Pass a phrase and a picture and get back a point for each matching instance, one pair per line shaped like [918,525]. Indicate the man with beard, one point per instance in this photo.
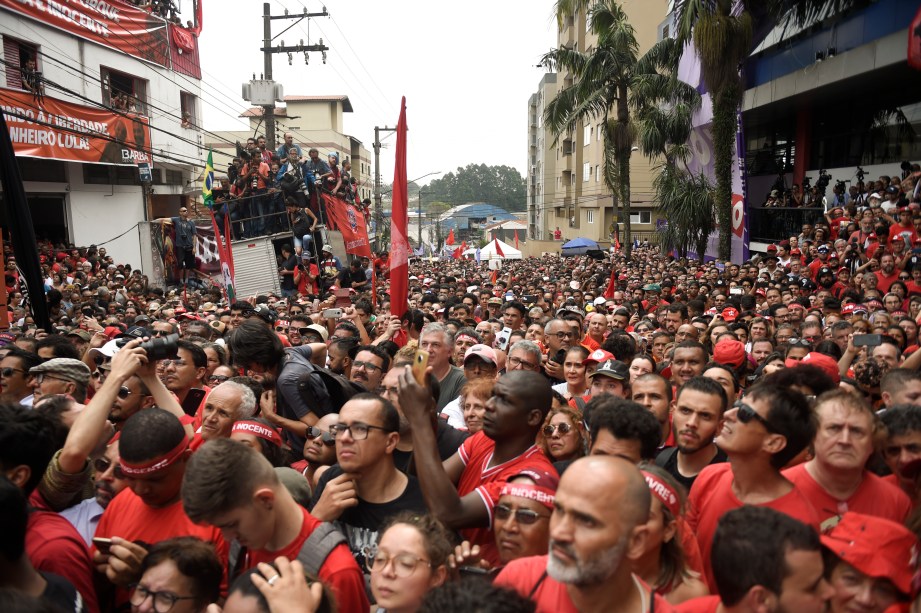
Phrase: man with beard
[887,273]
[370,365]
[696,419]
[593,540]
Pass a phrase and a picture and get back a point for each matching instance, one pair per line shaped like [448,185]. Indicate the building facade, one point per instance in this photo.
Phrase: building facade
[89,96]
[566,189]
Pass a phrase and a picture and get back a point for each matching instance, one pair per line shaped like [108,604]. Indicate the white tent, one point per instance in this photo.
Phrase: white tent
[489,251]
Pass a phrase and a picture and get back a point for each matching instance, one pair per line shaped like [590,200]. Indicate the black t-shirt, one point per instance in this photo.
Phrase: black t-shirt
[447,438]
[287,281]
[668,459]
[349,276]
[61,593]
[360,524]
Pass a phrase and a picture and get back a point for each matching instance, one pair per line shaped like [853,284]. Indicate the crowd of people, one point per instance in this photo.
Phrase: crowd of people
[564,434]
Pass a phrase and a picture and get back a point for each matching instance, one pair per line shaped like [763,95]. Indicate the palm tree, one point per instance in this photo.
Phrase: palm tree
[663,108]
[599,90]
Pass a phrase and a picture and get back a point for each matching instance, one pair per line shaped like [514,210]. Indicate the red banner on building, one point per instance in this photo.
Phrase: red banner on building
[350,221]
[117,25]
[50,128]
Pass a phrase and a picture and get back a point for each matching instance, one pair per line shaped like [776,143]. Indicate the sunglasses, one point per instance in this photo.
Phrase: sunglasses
[746,414]
[124,392]
[8,371]
[294,329]
[217,378]
[328,438]
[525,517]
[103,464]
[564,429]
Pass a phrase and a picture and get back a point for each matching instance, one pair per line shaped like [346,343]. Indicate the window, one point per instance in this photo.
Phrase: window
[597,172]
[110,174]
[189,109]
[22,64]
[586,172]
[572,178]
[123,91]
[590,216]
[598,134]
[641,217]
[586,135]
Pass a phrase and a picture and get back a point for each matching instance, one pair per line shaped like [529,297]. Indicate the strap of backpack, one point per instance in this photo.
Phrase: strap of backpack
[235,554]
[318,546]
[666,456]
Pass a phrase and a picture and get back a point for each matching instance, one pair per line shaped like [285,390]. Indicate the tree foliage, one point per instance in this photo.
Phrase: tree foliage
[502,186]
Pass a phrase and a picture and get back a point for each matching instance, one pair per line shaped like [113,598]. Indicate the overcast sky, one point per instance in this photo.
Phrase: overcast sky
[466,69]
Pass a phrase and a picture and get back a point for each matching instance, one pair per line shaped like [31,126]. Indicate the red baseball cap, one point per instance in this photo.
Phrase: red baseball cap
[876,547]
[730,352]
[828,364]
[598,355]
[729,314]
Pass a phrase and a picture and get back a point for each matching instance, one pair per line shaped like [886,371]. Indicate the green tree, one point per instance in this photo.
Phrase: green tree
[501,186]
[600,86]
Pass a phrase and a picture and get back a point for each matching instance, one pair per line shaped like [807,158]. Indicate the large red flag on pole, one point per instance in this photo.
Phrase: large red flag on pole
[399,243]
[499,251]
[450,239]
[516,239]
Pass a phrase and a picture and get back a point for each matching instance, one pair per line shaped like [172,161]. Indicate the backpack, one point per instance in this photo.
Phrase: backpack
[313,553]
[324,391]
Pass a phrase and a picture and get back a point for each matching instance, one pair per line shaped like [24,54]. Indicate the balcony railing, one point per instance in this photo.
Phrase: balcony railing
[771,225]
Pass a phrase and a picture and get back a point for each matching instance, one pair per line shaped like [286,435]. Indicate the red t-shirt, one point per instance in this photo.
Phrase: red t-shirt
[340,571]
[900,232]
[476,454]
[883,282]
[129,518]
[551,596]
[589,343]
[54,545]
[873,497]
[703,604]
[712,495]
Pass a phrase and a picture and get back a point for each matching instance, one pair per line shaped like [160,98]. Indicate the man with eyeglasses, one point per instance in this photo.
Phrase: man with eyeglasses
[61,376]
[260,514]
[370,365]
[364,487]
[835,480]
[15,381]
[760,435]
[558,336]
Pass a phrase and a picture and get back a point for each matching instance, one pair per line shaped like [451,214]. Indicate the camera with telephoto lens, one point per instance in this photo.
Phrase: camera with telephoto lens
[822,183]
[156,348]
[861,173]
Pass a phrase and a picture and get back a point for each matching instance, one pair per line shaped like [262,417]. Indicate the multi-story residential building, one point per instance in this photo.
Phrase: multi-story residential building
[566,188]
[315,121]
[95,95]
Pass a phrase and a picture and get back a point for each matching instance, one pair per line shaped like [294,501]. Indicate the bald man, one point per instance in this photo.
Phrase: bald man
[593,541]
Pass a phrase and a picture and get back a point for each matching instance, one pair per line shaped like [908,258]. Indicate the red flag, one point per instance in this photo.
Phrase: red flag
[225,255]
[609,291]
[499,249]
[463,247]
[516,239]
[495,275]
[399,243]
[616,244]
[350,221]
[457,253]
[450,239]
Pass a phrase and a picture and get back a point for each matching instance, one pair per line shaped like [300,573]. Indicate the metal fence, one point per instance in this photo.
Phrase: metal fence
[771,225]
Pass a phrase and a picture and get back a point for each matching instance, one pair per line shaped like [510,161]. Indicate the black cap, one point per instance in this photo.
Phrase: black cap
[265,313]
[614,369]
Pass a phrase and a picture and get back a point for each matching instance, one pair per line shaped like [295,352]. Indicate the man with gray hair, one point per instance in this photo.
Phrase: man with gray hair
[525,355]
[227,403]
[437,340]
[558,336]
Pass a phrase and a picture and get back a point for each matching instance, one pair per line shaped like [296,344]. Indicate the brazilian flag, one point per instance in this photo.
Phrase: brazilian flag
[208,182]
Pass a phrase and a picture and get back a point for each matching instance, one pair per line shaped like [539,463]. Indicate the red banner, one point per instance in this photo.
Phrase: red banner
[399,241]
[350,221]
[116,25]
[57,130]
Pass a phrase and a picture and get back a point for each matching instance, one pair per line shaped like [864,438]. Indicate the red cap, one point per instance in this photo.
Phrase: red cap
[847,309]
[796,251]
[828,364]
[729,314]
[729,352]
[876,547]
[598,355]
[772,248]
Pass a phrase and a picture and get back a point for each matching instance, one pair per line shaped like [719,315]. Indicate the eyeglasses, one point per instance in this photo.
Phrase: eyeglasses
[328,438]
[403,566]
[98,374]
[564,428]
[746,413]
[176,363]
[358,431]
[162,601]
[515,362]
[296,330]
[563,335]
[366,366]
[8,371]
[124,392]
[799,342]
[525,517]
[160,333]
[103,464]
[217,379]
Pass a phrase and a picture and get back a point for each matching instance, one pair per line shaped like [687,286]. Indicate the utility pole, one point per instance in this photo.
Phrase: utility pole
[419,218]
[267,50]
[378,207]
